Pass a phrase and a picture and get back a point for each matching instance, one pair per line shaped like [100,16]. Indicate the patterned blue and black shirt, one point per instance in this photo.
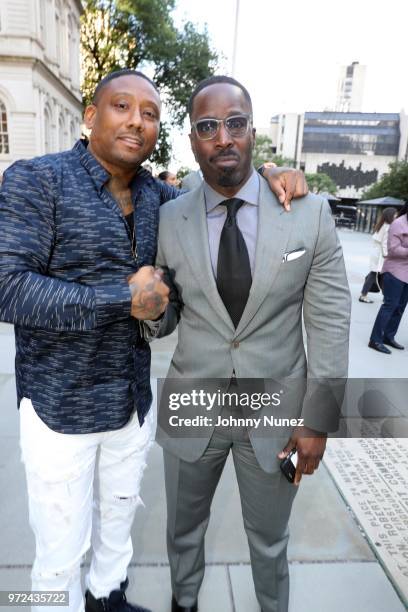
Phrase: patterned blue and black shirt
[65,254]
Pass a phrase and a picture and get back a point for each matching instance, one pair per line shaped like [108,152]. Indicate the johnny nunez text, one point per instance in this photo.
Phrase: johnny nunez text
[205,421]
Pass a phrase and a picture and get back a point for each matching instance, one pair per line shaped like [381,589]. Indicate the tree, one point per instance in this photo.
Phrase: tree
[263,153]
[321,182]
[141,34]
[394,183]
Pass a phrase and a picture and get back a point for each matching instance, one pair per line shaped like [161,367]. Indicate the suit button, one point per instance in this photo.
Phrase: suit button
[235,344]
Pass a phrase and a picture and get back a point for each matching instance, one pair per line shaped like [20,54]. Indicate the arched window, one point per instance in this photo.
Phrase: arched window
[47,130]
[4,135]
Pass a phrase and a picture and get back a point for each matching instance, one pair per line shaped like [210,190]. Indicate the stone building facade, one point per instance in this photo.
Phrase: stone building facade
[40,100]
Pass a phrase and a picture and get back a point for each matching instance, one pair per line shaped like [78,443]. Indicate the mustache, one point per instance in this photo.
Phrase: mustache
[227,153]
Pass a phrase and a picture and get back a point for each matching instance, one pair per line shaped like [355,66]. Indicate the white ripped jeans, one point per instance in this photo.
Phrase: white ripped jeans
[83,491]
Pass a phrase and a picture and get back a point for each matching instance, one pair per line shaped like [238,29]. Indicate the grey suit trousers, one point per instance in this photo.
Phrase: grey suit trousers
[266,501]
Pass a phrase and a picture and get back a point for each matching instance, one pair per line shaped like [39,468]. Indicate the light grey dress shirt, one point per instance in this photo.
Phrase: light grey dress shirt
[247,217]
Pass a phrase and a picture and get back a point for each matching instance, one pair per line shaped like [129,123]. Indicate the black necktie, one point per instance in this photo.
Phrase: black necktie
[233,269]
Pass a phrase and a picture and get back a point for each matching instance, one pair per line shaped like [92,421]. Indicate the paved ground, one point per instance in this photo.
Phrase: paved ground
[332,565]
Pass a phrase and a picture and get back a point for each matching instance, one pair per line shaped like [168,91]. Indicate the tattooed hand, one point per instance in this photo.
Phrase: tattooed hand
[150,295]
[286,183]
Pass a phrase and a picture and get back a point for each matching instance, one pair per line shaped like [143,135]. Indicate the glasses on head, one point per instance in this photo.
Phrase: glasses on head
[236,126]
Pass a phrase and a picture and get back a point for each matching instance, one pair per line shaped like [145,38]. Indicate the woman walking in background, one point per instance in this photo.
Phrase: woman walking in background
[380,238]
[395,286]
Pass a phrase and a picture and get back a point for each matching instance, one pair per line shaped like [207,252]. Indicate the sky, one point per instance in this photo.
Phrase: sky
[289,55]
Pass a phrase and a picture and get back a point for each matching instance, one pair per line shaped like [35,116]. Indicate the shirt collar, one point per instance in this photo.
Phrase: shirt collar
[249,192]
[97,172]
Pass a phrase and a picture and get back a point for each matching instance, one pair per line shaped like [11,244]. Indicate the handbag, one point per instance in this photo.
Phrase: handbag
[377,282]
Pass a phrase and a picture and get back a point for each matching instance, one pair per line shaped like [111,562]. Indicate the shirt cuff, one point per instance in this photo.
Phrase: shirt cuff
[112,303]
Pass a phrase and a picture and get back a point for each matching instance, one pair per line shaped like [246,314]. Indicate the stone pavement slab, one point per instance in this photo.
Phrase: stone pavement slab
[150,586]
[315,587]
[16,538]
[15,579]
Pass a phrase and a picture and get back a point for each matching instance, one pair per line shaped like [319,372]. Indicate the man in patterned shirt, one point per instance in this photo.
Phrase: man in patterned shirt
[78,240]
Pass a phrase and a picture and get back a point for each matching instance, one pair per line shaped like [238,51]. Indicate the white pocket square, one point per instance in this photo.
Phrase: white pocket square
[291,255]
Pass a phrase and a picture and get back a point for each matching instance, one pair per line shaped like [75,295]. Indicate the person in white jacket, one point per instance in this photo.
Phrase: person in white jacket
[379,251]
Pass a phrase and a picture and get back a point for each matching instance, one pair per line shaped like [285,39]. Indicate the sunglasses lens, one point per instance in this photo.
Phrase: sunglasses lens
[237,126]
[206,129]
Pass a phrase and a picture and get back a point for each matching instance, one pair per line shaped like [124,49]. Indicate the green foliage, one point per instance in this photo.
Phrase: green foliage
[394,183]
[279,160]
[141,34]
[263,153]
[321,182]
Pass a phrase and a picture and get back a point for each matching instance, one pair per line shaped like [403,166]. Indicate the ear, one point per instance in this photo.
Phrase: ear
[192,144]
[253,137]
[89,116]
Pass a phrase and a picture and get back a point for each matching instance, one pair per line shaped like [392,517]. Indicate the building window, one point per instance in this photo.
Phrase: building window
[47,130]
[4,136]
[72,55]
[73,133]
[61,133]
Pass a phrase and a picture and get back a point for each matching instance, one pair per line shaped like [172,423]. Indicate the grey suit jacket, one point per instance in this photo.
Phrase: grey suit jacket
[191,181]
[268,342]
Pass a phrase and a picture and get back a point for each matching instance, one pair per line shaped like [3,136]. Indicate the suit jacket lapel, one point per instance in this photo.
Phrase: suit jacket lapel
[193,235]
[274,225]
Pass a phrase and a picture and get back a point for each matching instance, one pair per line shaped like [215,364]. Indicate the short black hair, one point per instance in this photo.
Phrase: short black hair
[213,80]
[163,175]
[115,75]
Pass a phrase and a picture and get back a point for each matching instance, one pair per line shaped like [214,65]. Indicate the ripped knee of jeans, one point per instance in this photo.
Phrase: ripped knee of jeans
[129,500]
[68,573]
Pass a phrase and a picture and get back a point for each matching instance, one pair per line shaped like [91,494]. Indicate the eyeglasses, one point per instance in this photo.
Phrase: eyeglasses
[236,126]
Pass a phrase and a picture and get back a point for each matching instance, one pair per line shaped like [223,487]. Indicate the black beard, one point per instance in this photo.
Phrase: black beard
[229,178]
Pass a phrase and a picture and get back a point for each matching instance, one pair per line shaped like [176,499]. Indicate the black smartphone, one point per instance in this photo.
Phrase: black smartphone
[288,465]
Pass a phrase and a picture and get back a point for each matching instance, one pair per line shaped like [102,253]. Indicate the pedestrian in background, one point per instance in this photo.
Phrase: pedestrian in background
[169,178]
[395,286]
[379,251]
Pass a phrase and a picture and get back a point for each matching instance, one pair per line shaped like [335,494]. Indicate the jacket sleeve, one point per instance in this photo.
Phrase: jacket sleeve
[395,247]
[326,311]
[384,239]
[172,313]
[28,295]
[168,192]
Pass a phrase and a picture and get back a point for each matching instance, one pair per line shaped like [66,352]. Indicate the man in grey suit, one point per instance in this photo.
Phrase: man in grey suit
[245,269]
